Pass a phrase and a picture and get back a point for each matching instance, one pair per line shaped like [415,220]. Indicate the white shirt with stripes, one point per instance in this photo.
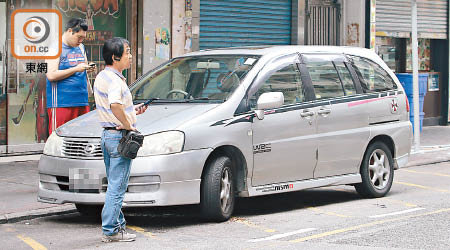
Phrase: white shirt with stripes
[110,87]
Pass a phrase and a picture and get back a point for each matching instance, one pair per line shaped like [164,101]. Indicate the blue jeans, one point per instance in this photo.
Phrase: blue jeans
[118,174]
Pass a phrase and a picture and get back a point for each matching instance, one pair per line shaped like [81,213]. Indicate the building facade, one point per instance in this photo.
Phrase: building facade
[23,112]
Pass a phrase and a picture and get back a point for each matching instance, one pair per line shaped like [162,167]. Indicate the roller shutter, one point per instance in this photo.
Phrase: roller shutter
[233,23]
[393,18]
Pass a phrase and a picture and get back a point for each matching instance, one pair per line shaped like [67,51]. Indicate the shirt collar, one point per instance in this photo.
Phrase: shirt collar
[115,72]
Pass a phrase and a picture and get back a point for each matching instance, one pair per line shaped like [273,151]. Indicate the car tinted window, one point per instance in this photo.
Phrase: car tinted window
[373,78]
[325,79]
[286,80]
[347,81]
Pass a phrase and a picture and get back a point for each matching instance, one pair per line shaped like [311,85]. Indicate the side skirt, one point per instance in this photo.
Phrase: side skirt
[300,185]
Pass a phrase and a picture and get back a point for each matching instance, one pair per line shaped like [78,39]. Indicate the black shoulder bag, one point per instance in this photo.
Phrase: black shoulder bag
[130,143]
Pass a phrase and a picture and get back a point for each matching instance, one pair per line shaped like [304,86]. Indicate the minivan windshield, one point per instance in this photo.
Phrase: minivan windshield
[194,79]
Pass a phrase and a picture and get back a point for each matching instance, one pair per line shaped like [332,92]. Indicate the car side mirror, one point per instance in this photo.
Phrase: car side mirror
[269,100]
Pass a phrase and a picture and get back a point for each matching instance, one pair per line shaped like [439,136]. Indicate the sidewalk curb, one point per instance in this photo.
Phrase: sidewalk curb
[37,213]
[426,163]
[423,158]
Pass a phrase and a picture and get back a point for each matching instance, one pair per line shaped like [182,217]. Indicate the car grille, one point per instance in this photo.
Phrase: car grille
[82,148]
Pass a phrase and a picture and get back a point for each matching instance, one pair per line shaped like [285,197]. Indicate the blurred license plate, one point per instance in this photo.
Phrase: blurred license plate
[85,180]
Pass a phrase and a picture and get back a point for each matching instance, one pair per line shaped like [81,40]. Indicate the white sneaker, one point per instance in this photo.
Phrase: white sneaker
[122,236]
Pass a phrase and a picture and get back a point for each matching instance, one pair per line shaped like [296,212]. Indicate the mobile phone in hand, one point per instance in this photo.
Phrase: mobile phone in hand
[91,65]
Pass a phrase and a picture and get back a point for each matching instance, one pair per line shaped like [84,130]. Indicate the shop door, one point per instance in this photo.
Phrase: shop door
[322,22]
[244,23]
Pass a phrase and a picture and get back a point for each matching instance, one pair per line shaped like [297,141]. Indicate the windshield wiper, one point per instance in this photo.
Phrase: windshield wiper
[201,99]
[157,100]
[197,99]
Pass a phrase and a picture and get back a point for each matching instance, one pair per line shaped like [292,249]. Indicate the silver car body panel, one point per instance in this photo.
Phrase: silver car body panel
[304,184]
[179,176]
[290,138]
[321,151]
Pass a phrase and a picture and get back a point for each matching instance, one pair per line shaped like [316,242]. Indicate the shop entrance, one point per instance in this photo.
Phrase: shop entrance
[322,22]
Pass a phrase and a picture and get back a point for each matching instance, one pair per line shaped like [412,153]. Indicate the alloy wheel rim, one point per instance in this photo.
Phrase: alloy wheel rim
[225,188]
[379,169]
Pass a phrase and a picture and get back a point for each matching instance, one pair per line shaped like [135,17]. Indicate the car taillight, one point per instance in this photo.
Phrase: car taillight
[407,103]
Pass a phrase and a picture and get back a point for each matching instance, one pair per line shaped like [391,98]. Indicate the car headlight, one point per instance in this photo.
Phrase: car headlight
[162,143]
[53,145]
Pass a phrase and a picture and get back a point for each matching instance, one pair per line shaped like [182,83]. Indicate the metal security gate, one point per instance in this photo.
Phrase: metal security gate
[233,23]
[393,18]
[322,22]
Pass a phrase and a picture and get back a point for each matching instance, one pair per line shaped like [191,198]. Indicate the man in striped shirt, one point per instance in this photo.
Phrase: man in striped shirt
[116,112]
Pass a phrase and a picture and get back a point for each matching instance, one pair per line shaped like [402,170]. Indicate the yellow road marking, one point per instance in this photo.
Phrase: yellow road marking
[249,224]
[424,172]
[141,231]
[8,229]
[328,213]
[398,201]
[343,230]
[32,243]
[423,187]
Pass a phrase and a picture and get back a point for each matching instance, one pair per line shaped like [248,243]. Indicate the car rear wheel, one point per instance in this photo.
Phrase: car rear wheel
[89,210]
[217,190]
[377,171]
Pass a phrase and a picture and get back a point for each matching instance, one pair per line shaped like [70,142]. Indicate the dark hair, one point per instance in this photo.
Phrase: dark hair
[76,24]
[113,47]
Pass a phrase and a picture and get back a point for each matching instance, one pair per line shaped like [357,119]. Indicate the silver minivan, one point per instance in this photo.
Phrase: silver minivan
[244,122]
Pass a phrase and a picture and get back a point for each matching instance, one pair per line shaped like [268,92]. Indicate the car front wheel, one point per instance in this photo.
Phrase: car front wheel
[217,190]
[377,171]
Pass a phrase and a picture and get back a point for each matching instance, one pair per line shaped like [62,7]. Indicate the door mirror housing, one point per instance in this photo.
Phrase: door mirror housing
[269,100]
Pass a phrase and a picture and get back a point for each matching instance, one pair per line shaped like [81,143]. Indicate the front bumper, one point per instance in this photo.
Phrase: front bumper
[178,176]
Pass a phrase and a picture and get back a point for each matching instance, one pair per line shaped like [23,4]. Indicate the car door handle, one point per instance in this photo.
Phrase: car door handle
[306,113]
[324,111]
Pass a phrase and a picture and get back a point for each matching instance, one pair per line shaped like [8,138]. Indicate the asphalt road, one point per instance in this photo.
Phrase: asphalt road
[415,215]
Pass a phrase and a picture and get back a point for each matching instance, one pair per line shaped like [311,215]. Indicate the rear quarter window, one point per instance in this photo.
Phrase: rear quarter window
[372,76]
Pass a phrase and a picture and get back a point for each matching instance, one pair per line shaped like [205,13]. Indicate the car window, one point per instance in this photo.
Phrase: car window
[286,80]
[373,78]
[325,79]
[202,78]
[347,81]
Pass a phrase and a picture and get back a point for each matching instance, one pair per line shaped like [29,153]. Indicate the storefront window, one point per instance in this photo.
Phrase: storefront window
[386,50]
[424,55]
[23,111]
[396,53]
[105,20]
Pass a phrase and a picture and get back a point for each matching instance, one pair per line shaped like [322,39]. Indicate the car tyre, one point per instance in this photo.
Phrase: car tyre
[217,190]
[89,210]
[377,171]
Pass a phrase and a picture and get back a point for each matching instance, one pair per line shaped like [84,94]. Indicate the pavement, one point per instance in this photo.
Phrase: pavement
[19,178]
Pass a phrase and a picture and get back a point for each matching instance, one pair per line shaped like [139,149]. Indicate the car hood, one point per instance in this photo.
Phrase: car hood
[158,117]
